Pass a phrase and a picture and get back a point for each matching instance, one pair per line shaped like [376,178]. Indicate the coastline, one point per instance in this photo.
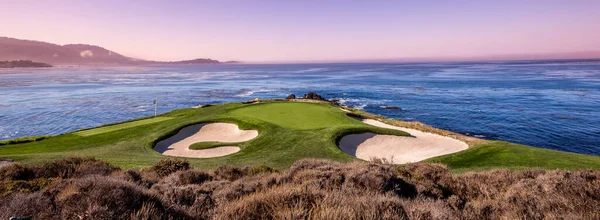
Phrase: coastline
[280,145]
[472,106]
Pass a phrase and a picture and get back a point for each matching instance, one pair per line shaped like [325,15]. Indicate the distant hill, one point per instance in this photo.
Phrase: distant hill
[15,49]
[74,54]
[196,61]
[22,64]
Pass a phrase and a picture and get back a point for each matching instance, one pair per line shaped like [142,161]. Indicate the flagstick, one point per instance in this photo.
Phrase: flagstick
[155,106]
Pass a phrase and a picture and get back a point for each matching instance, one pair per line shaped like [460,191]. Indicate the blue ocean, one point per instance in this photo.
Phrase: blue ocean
[548,104]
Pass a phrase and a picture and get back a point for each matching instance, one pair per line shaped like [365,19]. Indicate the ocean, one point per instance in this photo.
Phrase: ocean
[548,104]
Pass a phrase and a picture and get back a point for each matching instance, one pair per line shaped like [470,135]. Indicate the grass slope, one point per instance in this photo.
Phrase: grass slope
[278,145]
[509,155]
[212,144]
[296,115]
[288,131]
[120,126]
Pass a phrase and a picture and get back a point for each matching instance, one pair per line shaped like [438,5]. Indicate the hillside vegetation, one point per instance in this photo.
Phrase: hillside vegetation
[85,188]
[22,64]
[73,54]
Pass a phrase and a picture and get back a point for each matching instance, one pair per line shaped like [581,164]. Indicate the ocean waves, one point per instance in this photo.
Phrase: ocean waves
[544,104]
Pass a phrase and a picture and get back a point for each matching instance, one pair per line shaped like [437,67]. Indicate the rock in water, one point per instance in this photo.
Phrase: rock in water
[391,107]
[291,96]
[313,96]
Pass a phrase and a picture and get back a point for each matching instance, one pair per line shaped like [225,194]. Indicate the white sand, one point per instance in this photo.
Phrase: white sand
[178,145]
[399,149]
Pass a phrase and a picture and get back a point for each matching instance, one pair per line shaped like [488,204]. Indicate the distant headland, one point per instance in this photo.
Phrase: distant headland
[22,64]
[76,54]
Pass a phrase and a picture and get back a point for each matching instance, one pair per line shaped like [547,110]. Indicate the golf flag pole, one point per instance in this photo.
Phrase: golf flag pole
[155,105]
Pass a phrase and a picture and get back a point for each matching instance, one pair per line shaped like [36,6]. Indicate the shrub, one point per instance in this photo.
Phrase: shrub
[253,170]
[305,164]
[37,205]
[185,177]
[379,178]
[430,171]
[106,197]
[17,172]
[428,208]
[146,177]
[349,205]
[310,189]
[149,177]
[133,175]
[74,167]
[323,178]
[192,198]
[21,186]
[278,203]
[168,166]
[227,191]
[230,173]
[313,165]
[23,140]
[193,177]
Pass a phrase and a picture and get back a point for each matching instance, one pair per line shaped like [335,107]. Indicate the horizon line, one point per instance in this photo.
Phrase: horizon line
[570,55]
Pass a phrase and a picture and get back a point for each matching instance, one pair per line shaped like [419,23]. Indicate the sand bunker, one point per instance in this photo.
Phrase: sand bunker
[399,149]
[179,144]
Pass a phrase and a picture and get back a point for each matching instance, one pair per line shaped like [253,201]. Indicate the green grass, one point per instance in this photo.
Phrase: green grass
[211,144]
[296,115]
[120,126]
[129,146]
[23,140]
[500,154]
[288,131]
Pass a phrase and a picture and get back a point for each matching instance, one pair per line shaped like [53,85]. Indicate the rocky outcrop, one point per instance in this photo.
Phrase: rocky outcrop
[391,107]
[335,102]
[313,96]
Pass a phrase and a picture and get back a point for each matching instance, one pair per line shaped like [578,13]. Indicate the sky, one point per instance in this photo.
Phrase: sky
[308,30]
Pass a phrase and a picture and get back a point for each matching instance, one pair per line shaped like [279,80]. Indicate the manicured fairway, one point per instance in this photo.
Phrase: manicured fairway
[121,126]
[296,115]
[288,131]
[504,154]
[278,145]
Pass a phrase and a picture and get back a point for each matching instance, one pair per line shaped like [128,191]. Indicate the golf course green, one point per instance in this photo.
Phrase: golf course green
[287,131]
[297,115]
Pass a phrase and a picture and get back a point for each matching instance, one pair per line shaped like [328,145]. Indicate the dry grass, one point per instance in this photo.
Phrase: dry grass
[168,166]
[310,189]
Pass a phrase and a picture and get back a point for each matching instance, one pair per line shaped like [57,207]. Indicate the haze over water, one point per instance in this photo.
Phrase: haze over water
[549,104]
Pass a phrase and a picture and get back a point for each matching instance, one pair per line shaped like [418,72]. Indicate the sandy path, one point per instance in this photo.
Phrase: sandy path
[399,149]
[178,144]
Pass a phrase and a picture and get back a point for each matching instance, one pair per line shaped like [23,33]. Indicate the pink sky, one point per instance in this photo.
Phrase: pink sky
[286,31]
